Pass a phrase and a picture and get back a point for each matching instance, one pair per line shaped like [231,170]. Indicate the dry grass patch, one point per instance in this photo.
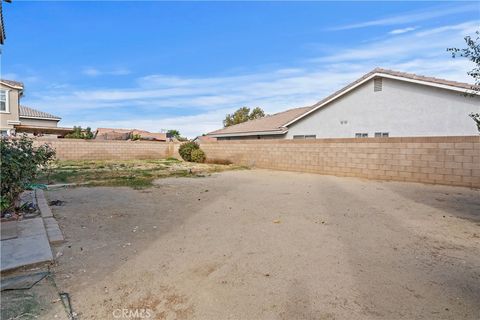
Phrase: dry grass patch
[131,173]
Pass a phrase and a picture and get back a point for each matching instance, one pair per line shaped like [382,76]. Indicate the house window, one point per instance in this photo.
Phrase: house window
[381,134]
[377,84]
[361,135]
[299,137]
[3,101]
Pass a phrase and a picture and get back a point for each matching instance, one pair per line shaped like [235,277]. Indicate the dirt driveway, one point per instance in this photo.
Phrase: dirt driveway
[258,244]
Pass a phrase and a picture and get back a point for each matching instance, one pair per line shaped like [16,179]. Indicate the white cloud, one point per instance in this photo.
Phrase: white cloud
[148,103]
[412,17]
[403,30]
[94,72]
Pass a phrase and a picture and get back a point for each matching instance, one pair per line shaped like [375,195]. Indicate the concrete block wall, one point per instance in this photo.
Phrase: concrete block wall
[438,160]
[76,149]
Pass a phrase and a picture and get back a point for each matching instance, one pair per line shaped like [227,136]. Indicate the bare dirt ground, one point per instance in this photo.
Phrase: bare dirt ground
[258,244]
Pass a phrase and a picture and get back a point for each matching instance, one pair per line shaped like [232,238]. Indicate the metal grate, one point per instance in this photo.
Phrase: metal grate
[377,84]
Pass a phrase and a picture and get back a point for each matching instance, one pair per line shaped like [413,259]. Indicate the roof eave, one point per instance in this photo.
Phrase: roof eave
[40,118]
[251,133]
[12,85]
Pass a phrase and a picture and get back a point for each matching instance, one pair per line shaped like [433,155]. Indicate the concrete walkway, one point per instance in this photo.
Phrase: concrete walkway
[31,246]
[27,242]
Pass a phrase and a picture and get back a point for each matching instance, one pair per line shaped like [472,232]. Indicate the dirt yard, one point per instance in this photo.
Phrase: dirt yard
[258,244]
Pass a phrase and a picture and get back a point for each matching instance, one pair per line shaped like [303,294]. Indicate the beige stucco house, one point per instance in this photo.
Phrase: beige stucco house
[16,118]
[382,103]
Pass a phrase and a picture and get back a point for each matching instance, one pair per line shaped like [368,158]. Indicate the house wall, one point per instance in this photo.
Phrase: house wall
[12,114]
[439,160]
[38,122]
[402,109]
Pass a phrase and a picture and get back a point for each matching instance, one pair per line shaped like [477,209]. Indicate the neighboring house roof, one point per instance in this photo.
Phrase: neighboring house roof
[270,124]
[204,139]
[125,134]
[27,112]
[279,122]
[12,83]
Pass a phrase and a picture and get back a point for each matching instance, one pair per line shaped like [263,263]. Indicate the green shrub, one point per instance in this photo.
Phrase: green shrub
[198,155]
[136,137]
[186,149]
[20,164]
[78,133]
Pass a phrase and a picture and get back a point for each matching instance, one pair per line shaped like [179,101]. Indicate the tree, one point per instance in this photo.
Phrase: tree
[79,133]
[472,53]
[256,113]
[173,133]
[20,164]
[243,114]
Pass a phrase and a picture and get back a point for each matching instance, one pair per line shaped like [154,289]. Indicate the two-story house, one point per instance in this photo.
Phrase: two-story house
[15,118]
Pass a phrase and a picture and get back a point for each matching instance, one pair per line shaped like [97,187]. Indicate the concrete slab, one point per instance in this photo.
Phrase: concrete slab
[24,281]
[8,230]
[30,247]
[41,301]
[42,204]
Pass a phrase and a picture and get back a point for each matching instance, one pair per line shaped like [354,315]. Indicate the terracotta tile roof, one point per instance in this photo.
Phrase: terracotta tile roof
[125,134]
[271,123]
[27,112]
[12,83]
[205,139]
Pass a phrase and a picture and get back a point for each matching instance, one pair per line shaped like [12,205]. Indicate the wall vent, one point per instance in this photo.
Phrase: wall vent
[377,84]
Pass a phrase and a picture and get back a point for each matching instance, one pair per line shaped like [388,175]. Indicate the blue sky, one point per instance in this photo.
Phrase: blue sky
[164,65]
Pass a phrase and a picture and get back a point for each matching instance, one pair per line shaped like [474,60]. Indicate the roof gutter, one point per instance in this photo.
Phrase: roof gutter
[40,118]
[246,134]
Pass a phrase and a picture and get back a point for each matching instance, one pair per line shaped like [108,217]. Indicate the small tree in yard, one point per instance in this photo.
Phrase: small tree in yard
[78,133]
[190,151]
[472,53]
[198,155]
[186,149]
[20,164]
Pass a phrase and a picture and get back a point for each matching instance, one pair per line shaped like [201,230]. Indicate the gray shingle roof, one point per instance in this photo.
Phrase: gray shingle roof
[27,112]
[271,123]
